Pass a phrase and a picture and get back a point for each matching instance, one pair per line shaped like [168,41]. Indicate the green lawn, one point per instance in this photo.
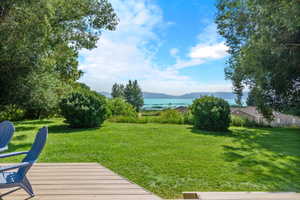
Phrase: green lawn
[168,159]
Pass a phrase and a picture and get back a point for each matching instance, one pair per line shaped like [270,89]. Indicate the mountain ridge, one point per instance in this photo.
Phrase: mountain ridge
[192,95]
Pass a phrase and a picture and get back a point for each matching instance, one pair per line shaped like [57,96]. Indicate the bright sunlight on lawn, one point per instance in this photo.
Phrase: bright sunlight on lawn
[168,159]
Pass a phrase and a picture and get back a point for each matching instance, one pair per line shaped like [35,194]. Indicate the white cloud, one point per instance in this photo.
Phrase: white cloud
[210,47]
[180,64]
[125,54]
[207,51]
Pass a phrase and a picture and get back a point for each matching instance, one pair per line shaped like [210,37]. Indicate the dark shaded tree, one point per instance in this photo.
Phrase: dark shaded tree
[251,98]
[40,41]
[117,91]
[264,44]
[133,95]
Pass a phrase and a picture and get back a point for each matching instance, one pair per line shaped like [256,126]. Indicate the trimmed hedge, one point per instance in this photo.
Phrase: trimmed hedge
[84,109]
[211,113]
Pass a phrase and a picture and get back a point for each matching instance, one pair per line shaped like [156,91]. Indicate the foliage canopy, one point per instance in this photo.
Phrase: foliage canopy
[117,91]
[264,43]
[40,40]
[133,94]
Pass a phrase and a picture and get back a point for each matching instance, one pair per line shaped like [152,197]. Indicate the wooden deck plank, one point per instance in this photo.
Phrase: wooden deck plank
[98,191]
[88,187]
[86,197]
[77,181]
[79,177]
[69,174]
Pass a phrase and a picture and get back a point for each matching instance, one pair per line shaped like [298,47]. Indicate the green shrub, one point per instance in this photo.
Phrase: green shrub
[237,121]
[118,106]
[245,122]
[12,113]
[84,109]
[129,119]
[211,113]
[151,113]
[171,116]
[253,124]
[188,117]
[166,116]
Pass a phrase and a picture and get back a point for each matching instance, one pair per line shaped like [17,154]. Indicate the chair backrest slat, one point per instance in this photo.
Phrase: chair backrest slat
[7,130]
[34,152]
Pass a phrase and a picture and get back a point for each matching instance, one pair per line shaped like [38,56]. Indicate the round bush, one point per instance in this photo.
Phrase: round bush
[211,113]
[84,109]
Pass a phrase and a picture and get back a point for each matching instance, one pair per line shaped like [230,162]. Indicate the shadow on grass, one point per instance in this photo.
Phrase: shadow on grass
[212,133]
[24,128]
[20,137]
[53,129]
[16,147]
[271,155]
[65,129]
[35,122]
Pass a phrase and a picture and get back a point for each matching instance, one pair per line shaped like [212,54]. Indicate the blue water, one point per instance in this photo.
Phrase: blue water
[158,104]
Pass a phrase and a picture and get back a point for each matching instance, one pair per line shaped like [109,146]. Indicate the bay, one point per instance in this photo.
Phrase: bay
[163,103]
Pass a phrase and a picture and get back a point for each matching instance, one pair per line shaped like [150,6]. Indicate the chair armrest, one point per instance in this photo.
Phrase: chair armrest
[24,164]
[12,154]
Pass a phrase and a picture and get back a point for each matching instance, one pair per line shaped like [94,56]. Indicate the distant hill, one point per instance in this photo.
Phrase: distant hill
[224,95]
[152,95]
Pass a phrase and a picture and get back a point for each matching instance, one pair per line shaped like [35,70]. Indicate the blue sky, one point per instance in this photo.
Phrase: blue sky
[169,46]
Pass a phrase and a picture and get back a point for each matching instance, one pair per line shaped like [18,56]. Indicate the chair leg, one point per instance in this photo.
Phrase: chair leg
[27,186]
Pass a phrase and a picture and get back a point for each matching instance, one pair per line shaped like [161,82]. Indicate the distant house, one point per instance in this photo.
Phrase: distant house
[280,119]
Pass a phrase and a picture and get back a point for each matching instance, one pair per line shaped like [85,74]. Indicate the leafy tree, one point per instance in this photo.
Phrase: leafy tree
[40,39]
[133,95]
[41,93]
[264,43]
[251,98]
[117,91]
[81,86]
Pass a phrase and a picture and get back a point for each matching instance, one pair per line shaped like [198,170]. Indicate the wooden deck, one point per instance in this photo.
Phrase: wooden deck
[73,181]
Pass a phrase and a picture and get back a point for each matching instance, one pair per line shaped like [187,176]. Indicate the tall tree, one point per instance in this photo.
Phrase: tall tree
[117,91]
[251,97]
[41,38]
[264,43]
[133,94]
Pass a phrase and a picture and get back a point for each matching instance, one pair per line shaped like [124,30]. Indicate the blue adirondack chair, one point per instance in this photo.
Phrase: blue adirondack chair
[6,132]
[18,178]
